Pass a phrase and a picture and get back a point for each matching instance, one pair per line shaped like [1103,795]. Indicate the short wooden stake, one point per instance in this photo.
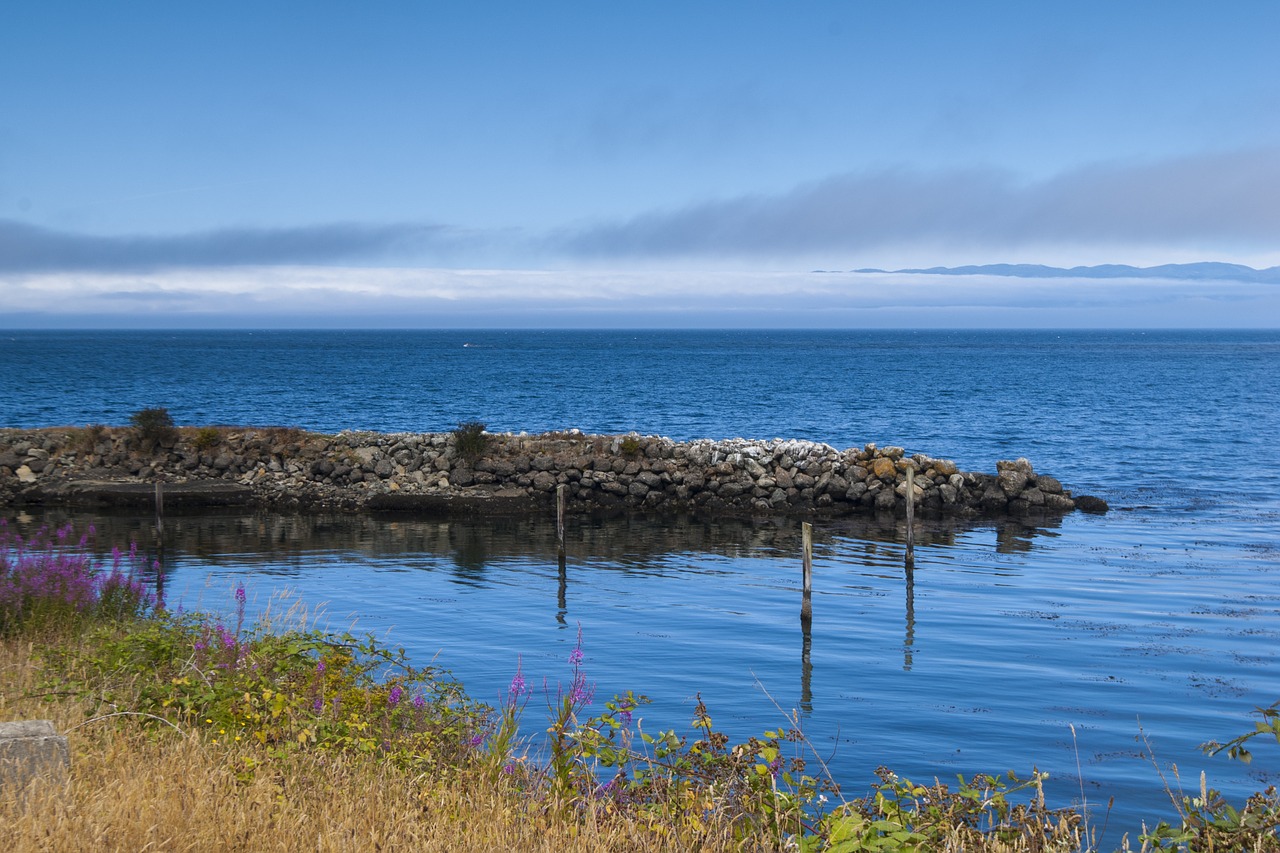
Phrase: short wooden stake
[911,517]
[806,538]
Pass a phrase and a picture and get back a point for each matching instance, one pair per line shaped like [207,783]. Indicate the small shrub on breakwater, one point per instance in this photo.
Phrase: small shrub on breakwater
[470,440]
[206,438]
[153,426]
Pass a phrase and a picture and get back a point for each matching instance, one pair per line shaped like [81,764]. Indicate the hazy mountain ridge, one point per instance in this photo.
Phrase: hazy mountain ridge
[1204,271]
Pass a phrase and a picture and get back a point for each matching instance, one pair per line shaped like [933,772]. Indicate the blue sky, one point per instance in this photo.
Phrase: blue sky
[425,164]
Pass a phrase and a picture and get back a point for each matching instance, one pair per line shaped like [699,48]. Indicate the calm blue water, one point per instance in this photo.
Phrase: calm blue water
[1160,619]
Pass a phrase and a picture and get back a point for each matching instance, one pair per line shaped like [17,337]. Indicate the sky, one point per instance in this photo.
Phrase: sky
[561,164]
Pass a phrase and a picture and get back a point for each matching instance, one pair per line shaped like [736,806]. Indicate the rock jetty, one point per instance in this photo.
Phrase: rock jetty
[429,473]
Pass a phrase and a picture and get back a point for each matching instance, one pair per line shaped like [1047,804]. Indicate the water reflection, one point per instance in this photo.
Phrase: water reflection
[474,546]
[909,639]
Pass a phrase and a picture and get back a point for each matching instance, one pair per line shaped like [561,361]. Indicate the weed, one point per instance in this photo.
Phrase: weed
[87,439]
[630,446]
[207,438]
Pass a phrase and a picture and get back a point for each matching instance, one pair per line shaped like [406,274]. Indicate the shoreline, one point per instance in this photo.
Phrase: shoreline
[475,472]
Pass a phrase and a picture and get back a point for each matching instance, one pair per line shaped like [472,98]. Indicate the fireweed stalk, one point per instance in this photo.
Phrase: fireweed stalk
[564,711]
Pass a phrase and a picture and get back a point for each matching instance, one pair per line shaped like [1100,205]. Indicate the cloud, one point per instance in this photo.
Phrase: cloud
[29,248]
[1223,200]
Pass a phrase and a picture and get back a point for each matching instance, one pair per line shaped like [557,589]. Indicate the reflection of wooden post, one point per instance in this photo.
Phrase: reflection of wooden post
[911,516]
[806,666]
[806,537]
[160,513]
[909,639]
[562,492]
[562,604]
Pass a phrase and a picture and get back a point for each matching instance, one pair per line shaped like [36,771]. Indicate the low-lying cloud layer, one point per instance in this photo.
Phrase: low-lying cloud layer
[28,248]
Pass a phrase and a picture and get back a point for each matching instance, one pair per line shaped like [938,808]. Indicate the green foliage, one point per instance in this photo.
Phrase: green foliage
[283,692]
[207,438]
[470,440]
[153,426]
[630,446]
[1209,823]
[1235,748]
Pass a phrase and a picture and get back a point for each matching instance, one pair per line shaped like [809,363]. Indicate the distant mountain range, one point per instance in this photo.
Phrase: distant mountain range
[1207,271]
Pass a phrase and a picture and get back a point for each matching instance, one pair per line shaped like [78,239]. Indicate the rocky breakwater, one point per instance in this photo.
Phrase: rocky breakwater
[289,469]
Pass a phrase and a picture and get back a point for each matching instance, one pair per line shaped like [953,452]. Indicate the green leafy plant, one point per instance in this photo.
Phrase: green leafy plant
[630,446]
[470,440]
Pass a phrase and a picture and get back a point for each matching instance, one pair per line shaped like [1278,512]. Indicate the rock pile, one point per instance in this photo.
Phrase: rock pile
[291,469]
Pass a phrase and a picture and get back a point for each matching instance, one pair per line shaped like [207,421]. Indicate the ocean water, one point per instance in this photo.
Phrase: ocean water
[1098,649]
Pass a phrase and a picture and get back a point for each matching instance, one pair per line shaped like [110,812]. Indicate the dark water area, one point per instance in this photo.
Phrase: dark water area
[1148,630]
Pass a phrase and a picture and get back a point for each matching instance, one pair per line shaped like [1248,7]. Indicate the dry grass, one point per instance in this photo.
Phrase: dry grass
[132,788]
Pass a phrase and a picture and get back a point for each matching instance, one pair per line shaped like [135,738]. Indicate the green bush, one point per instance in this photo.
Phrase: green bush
[470,440]
[153,426]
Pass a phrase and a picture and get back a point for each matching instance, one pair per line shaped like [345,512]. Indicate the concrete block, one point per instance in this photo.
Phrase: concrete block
[31,748]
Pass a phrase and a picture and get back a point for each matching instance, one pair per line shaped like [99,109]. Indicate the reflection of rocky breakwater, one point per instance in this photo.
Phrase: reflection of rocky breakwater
[291,469]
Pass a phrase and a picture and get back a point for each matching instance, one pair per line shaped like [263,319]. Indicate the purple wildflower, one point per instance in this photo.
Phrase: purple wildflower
[575,657]
[319,667]
[517,688]
[418,702]
[393,698]
[475,740]
[317,705]
[240,594]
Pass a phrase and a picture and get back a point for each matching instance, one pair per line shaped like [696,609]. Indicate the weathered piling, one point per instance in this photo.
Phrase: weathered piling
[911,517]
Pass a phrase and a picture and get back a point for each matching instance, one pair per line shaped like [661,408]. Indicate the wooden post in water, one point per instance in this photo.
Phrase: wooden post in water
[911,516]
[806,604]
[562,496]
[160,513]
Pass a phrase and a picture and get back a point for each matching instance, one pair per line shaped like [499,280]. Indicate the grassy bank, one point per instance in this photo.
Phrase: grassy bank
[191,733]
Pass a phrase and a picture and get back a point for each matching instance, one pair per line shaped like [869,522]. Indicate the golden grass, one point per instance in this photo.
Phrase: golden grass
[132,788]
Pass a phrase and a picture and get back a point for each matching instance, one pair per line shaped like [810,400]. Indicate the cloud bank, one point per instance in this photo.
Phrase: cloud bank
[1226,200]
